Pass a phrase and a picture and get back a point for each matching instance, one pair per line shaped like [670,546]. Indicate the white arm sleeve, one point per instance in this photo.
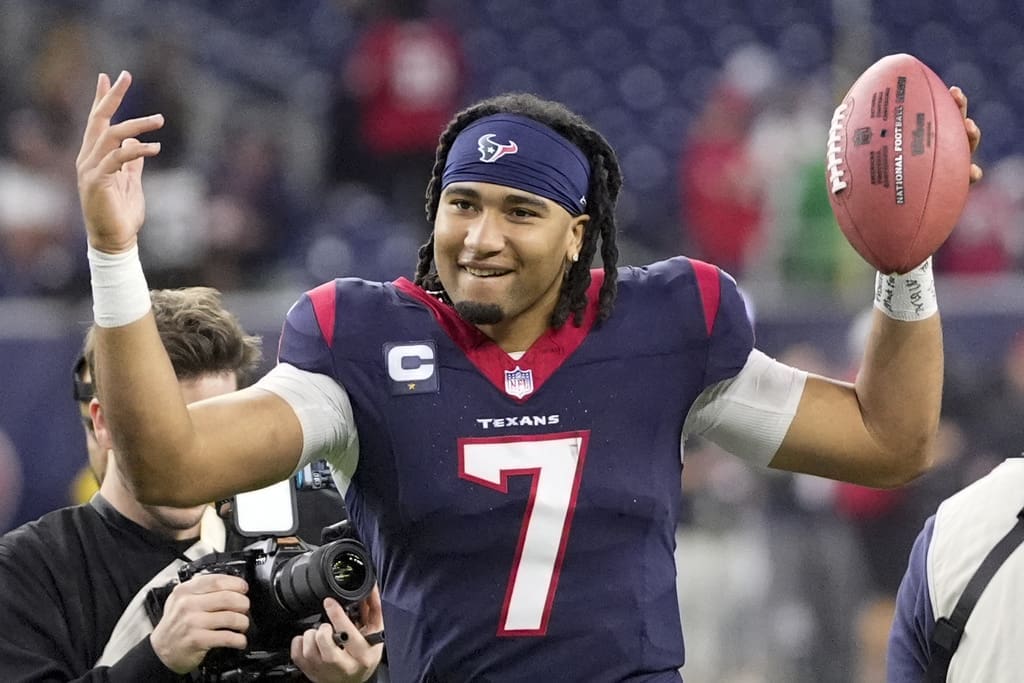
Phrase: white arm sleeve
[325,413]
[749,414]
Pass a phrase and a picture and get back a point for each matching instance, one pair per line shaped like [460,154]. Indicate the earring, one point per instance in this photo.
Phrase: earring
[574,258]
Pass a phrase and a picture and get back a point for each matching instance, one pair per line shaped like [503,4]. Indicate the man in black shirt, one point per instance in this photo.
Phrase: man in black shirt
[73,584]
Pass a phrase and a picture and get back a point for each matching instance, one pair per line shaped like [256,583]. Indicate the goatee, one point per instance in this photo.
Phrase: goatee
[477,313]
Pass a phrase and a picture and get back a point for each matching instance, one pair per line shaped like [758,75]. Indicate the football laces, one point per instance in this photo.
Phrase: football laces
[833,155]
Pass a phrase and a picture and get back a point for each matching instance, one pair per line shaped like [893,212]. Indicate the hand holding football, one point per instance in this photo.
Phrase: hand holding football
[898,163]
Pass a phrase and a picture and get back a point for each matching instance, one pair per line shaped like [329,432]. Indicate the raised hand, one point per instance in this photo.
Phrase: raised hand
[322,660]
[110,168]
[207,611]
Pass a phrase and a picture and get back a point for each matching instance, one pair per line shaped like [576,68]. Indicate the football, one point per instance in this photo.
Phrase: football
[898,163]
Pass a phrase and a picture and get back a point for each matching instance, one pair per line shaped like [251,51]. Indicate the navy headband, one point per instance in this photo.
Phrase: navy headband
[516,151]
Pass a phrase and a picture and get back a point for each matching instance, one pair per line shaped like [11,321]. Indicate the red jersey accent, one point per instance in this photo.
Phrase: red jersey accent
[542,358]
[710,290]
[323,298]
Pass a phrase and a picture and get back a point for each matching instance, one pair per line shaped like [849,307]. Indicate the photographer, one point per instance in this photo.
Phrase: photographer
[75,585]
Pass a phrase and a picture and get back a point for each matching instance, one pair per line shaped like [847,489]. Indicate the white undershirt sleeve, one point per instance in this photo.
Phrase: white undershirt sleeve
[748,415]
[325,413]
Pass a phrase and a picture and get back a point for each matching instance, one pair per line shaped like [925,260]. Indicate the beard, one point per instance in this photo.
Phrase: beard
[477,313]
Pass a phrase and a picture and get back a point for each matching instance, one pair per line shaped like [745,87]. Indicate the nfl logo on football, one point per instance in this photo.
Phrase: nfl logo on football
[518,382]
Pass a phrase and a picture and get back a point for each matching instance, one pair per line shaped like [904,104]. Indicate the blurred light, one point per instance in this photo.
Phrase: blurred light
[328,256]
[610,49]
[670,48]
[935,44]
[642,88]
[802,47]
[970,78]
[546,50]
[646,166]
[582,89]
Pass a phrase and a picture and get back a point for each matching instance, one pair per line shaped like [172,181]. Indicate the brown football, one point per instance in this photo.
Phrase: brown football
[898,163]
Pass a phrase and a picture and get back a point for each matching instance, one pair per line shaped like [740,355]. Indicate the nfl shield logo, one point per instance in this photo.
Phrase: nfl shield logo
[518,382]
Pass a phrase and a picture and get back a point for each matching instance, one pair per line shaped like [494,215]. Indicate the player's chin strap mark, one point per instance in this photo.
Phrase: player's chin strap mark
[835,174]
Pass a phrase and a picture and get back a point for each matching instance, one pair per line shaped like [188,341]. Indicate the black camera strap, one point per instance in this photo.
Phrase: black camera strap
[155,599]
[949,630]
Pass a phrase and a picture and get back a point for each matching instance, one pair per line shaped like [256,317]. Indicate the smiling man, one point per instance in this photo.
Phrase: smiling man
[507,428]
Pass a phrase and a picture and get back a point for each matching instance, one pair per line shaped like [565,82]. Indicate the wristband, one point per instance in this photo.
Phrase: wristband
[907,297]
[120,294]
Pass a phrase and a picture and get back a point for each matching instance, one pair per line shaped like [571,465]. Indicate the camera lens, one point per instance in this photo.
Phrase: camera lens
[349,571]
[339,569]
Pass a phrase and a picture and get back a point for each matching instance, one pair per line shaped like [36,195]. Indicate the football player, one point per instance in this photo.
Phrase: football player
[507,427]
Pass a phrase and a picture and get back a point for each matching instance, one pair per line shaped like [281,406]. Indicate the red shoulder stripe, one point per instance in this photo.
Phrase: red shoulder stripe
[710,290]
[323,299]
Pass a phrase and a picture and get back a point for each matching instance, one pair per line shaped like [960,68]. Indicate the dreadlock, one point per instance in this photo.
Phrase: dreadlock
[605,182]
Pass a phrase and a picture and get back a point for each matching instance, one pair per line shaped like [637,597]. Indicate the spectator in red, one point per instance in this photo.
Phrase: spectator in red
[405,81]
[721,200]
[986,240]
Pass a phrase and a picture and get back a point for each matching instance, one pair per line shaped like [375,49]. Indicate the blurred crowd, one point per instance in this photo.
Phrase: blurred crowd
[298,142]
[255,185]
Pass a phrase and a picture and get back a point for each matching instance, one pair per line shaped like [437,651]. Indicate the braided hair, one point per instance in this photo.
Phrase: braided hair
[605,182]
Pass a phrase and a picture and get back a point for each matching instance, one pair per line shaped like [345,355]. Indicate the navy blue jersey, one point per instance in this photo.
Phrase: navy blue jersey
[521,513]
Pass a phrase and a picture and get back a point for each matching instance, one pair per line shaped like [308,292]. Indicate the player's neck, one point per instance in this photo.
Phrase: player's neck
[516,335]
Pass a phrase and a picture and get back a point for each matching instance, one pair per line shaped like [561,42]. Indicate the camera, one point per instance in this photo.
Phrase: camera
[288,581]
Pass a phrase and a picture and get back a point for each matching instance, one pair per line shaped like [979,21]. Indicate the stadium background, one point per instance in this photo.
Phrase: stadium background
[263,139]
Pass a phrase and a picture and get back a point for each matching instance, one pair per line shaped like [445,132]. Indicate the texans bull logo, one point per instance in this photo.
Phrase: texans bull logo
[491,151]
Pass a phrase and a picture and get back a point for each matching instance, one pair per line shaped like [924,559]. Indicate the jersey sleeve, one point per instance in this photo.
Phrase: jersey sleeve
[306,378]
[308,332]
[730,329]
[909,652]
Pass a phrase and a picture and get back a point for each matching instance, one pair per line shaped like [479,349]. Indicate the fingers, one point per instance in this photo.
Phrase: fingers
[973,131]
[232,624]
[108,98]
[128,157]
[371,613]
[317,656]
[102,86]
[338,647]
[960,98]
[205,612]
[211,583]
[217,599]
[339,618]
[100,137]
[371,617]
[324,644]
[111,150]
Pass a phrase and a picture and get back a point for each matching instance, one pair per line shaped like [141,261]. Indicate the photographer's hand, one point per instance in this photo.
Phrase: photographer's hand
[207,611]
[318,656]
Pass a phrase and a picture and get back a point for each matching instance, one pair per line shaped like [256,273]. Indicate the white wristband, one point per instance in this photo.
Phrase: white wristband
[907,297]
[120,294]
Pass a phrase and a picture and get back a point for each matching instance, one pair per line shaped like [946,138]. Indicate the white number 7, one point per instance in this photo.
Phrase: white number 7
[555,461]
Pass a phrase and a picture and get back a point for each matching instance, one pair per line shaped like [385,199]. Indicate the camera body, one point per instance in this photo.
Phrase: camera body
[288,580]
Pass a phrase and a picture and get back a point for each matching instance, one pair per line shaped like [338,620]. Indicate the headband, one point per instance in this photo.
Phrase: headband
[516,151]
